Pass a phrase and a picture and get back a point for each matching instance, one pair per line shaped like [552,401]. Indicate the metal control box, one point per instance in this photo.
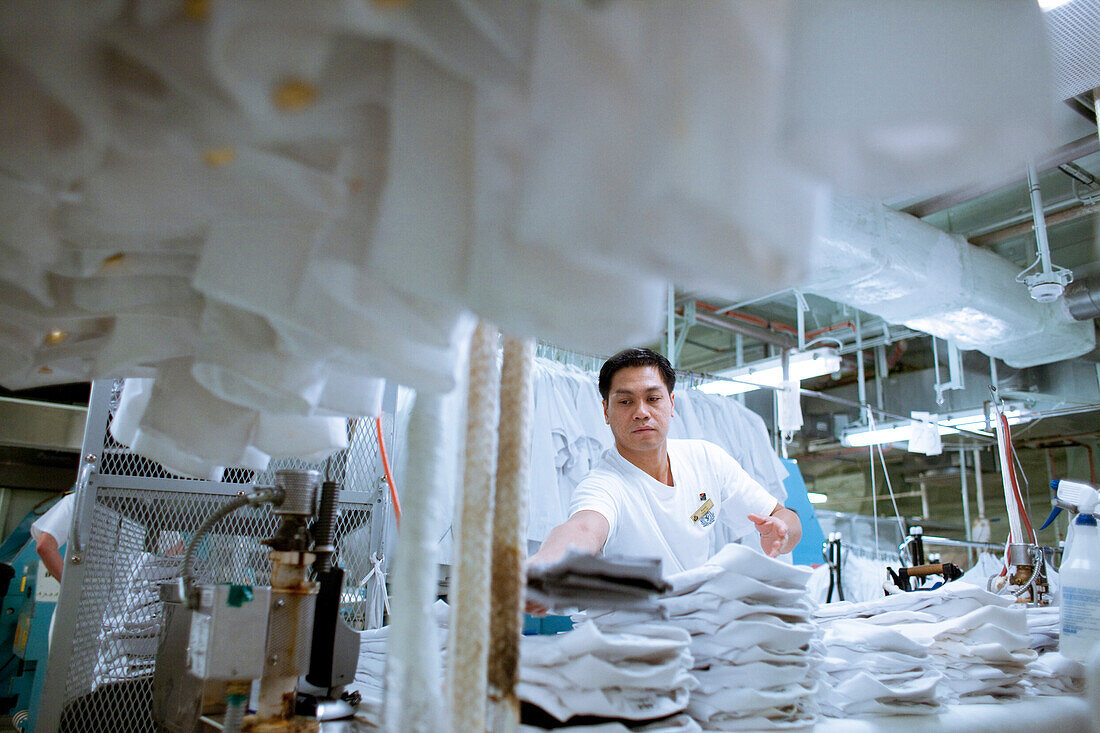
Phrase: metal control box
[228,635]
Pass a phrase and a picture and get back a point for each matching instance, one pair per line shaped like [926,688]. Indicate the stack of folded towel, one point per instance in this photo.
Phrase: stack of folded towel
[977,641]
[983,654]
[595,675]
[1055,674]
[752,640]
[870,669]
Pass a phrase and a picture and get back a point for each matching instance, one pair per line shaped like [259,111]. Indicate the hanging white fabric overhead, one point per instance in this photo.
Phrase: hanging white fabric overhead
[358,176]
[893,98]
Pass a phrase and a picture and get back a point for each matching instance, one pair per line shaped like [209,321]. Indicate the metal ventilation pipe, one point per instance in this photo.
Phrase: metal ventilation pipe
[1082,298]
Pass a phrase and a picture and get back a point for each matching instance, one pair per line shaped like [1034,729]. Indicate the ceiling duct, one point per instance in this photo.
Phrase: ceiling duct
[1082,298]
[908,272]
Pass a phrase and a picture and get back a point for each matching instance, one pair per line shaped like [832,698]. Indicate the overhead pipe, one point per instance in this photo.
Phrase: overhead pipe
[747,324]
[1063,216]
[1067,153]
[1042,245]
[1082,298]
[745,329]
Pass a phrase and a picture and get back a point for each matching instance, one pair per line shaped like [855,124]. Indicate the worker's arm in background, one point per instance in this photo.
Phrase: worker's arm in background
[46,546]
[586,531]
[779,532]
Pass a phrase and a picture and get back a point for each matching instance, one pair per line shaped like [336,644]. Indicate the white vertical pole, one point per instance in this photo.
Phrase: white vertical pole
[966,502]
[510,531]
[670,327]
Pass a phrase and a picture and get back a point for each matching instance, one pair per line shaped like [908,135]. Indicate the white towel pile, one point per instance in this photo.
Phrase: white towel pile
[874,670]
[370,672]
[1043,624]
[947,601]
[752,640]
[975,639]
[1055,674]
[983,654]
[643,674]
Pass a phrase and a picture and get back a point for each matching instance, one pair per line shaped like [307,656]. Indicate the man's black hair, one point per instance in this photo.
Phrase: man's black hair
[635,358]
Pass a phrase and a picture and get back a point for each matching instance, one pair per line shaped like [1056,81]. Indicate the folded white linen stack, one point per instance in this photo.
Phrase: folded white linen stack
[1043,624]
[874,670]
[748,617]
[947,601]
[642,674]
[1053,673]
[983,654]
[370,672]
[977,643]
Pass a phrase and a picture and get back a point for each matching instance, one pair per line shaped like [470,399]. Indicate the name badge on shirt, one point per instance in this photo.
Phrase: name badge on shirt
[703,515]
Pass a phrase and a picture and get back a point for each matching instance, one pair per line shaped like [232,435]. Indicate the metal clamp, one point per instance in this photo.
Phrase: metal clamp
[87,468]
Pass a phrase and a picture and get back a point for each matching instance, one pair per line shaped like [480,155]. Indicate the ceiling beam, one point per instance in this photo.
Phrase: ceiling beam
[1067,153]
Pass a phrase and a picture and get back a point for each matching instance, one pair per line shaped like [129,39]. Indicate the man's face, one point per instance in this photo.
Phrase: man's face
[638,408]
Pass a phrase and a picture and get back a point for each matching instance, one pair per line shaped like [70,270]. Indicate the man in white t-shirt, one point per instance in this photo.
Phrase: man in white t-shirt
[654,497]
[51,532]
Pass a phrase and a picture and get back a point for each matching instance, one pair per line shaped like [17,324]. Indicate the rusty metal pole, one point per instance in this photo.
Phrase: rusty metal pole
[510,532]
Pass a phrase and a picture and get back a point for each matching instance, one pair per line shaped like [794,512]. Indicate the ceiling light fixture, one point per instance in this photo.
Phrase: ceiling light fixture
[769,372]
[899,432]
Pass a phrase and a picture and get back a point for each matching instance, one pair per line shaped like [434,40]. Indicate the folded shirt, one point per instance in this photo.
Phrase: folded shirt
[607,702]
[674,724]
[948,601]
[705,605]
[588,639]
[748,700]
[744,562]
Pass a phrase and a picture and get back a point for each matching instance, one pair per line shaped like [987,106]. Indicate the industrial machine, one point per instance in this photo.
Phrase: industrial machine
[28,605]
[916,567]
[220,639]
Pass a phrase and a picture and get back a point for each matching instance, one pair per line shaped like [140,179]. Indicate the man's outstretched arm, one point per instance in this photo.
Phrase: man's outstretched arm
[779,532]
[585,531]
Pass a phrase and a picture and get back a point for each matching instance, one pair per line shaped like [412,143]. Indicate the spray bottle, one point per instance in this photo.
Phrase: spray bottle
[1080,570]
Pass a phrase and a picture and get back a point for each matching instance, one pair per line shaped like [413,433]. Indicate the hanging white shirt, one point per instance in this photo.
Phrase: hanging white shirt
[649,518]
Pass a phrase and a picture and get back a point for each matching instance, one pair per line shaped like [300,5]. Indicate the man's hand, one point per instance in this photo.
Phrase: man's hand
[585,531]
[774,533]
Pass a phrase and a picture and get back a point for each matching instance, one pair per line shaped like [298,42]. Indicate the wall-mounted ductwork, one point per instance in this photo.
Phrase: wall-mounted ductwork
[906,271]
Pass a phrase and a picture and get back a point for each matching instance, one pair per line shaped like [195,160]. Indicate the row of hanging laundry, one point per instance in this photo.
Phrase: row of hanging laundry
[570,434]
[277,202]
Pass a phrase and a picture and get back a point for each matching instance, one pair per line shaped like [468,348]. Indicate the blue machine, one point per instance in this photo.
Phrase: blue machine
[28,606]
[808,551]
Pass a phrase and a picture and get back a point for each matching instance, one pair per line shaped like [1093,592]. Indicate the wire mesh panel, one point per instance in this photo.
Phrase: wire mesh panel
[139,519]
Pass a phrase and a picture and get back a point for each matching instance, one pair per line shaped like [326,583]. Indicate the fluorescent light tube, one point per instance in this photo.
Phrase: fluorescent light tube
[769,372]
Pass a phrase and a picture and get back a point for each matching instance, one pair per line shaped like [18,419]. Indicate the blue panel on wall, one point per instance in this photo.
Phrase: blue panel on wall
[808,551]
